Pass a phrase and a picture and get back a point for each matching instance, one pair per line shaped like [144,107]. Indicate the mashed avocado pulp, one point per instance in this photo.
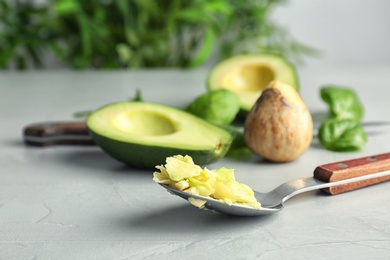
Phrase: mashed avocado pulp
[180,172]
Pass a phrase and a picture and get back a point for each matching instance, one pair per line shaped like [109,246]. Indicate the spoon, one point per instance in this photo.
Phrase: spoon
[333,178]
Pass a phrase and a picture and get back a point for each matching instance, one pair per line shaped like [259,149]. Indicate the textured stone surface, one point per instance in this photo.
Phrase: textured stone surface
[75,202]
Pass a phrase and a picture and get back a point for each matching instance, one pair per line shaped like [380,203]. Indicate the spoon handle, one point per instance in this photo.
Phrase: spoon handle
[54,133]
[353,168]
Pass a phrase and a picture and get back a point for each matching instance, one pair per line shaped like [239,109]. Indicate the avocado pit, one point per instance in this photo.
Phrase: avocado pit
[279,127]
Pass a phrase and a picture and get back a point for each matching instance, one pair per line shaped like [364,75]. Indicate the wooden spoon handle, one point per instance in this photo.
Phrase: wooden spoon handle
[353,168]
[54,133]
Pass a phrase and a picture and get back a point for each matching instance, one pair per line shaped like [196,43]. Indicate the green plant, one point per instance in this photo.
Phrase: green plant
[138,33]
[21,26]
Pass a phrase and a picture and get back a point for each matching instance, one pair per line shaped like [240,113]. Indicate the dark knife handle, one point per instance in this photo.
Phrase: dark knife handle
[353,168]
[57,133]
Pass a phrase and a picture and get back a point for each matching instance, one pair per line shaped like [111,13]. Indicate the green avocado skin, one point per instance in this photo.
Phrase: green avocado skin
[148,157]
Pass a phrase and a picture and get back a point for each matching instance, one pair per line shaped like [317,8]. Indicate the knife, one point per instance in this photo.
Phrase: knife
[76,133]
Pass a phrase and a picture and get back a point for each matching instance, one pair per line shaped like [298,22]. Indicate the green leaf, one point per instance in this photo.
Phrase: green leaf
[129,22]
[342,135]
[205,51]
[125,53]
[219,6]
[132,37]
[86,39]
[66,7]
[191,16]
[343,102]
[122,6]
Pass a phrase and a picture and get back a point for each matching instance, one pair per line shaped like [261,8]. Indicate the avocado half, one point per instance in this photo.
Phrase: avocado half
[144,134]
[248,75]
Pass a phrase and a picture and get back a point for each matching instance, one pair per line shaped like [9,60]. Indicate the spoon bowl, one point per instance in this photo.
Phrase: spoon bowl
[216,205]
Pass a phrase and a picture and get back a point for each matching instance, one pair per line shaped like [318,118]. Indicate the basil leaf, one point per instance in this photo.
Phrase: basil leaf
[344,135]
[343,102]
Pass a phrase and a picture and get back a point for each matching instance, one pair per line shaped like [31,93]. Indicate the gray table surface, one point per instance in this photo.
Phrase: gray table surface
[74,202]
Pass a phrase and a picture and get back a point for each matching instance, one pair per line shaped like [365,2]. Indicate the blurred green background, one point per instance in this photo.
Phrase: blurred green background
[108,34]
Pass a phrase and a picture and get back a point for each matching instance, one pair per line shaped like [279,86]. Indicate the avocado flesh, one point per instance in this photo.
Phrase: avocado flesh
[248,75]
[143,134]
